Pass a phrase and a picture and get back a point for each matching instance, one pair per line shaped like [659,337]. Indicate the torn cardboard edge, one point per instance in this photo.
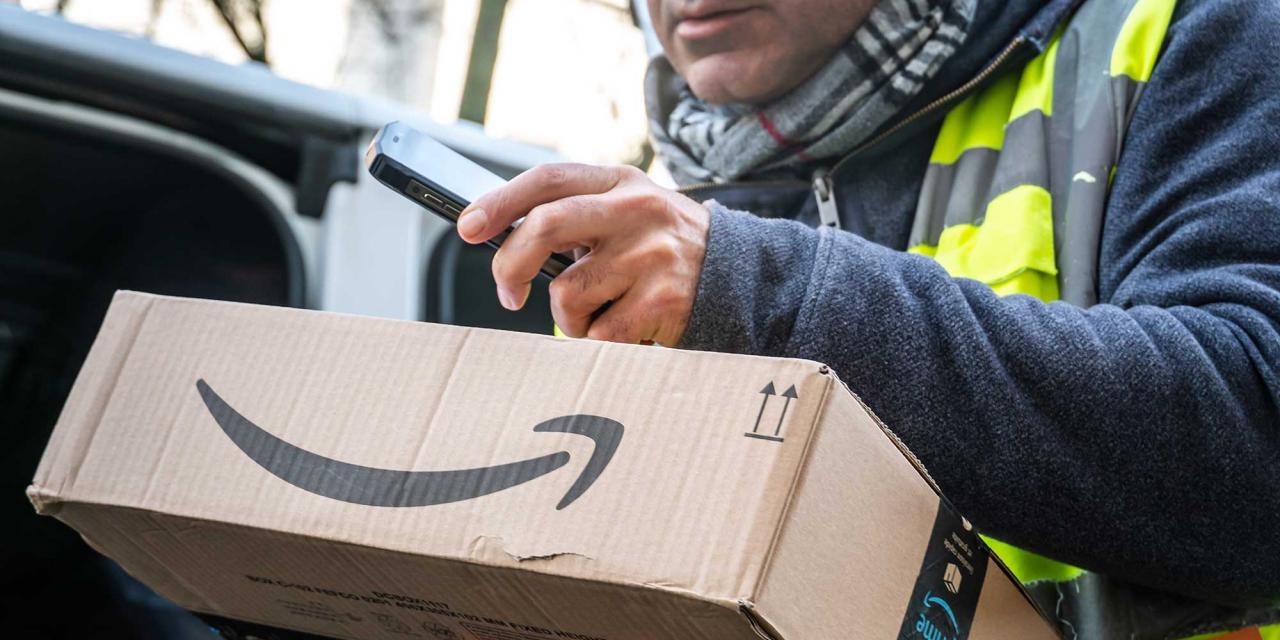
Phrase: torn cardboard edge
[759,625]
[435,558]
[745,608]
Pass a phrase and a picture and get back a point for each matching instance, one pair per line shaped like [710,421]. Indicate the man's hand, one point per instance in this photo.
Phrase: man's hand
[639,247]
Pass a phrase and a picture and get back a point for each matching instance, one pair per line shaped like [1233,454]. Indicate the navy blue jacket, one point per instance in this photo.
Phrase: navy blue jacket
[1139,438]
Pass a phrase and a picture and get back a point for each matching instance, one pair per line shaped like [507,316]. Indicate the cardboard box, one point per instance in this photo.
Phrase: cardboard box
[366,478]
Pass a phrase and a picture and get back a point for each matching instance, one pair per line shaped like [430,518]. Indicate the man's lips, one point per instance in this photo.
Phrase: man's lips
[708,24]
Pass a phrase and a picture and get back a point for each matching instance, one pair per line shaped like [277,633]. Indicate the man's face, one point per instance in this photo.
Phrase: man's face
[752,50]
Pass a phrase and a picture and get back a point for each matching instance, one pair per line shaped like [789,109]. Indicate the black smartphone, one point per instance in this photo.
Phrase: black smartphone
[442,180]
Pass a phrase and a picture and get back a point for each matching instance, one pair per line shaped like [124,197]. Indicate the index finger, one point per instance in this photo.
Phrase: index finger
[493,212]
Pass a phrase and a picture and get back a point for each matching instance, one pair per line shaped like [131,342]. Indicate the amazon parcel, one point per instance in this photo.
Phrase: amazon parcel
[356,477]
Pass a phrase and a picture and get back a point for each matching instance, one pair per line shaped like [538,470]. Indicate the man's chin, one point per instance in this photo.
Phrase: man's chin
[732,77]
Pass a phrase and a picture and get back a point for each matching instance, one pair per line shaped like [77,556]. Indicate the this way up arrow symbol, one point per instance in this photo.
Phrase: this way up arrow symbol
[767,391]
[789,394]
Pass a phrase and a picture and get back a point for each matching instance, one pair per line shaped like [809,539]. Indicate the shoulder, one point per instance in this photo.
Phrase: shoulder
[1198,177]
[1214,38]
[1253,15]
[1216,82]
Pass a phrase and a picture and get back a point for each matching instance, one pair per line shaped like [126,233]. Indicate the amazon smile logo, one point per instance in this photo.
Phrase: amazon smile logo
[926,627]
[376,487]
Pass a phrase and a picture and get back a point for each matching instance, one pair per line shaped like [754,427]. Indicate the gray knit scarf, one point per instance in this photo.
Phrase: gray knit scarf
[888,59]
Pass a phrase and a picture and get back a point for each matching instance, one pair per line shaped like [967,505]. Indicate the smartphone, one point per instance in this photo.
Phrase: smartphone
[442,180]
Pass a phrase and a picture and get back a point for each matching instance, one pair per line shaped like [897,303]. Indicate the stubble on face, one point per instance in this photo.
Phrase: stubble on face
[752,51]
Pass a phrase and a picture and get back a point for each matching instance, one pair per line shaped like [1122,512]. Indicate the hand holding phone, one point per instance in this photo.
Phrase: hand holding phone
[643,244]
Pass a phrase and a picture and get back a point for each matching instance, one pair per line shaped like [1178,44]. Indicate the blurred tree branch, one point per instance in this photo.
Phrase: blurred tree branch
[244,19]
[484,56]
[152,18]
[389,48]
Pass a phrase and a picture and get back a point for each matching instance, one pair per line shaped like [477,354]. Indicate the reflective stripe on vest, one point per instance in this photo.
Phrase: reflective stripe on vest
[1014,197]
[1017,182]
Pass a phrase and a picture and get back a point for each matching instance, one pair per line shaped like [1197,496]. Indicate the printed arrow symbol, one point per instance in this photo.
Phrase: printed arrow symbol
[767,391]
[789,394]
[397,488]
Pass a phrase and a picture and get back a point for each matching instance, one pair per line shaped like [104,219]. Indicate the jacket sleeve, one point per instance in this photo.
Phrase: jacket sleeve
[1139,438]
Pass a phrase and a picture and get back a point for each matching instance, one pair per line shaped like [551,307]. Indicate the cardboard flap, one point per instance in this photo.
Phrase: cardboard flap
[868,545]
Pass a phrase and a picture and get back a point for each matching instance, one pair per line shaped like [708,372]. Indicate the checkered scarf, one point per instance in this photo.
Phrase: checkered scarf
[888,59]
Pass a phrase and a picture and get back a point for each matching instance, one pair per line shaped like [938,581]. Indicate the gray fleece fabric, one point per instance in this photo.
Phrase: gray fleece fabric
[1139,438]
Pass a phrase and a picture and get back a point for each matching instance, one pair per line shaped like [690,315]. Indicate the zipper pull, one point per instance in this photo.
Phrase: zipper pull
[824,192]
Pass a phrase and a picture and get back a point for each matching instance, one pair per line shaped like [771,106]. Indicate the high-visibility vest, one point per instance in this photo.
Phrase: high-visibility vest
[1014,196]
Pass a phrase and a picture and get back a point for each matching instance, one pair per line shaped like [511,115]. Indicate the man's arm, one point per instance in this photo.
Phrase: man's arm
[1138,438]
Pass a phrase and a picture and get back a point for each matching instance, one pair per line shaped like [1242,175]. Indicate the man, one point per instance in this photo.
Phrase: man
[1042,242]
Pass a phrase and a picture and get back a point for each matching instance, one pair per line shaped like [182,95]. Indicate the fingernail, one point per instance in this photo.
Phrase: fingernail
[504,297]
[472,222]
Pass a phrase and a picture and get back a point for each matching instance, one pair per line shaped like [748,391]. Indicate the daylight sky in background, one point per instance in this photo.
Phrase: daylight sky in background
[569,73]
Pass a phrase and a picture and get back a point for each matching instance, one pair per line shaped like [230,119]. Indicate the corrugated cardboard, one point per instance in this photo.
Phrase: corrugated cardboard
[366,478]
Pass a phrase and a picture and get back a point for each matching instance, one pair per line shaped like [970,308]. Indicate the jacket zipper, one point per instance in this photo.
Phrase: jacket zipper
[824,193]
[823,186]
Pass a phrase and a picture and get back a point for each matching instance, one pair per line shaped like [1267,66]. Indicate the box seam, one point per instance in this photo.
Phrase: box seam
[763,575]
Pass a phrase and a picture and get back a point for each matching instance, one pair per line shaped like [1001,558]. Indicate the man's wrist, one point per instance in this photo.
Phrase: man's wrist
[752,282]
